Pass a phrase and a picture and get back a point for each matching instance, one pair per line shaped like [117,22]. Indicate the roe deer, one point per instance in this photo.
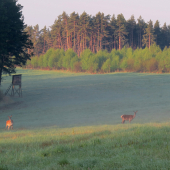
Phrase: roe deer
[9,123]
[128,117]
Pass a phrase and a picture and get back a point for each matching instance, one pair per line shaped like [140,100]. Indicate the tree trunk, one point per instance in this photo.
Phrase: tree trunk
[1,66]
[74,36]
[132,39]
[140,39]
[149,40]
[120,43]
[114,43]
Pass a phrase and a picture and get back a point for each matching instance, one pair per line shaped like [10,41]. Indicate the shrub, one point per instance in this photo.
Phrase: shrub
[34,62]
[123,64]
[28,64]
[61,54]
[46,57]
[73,61]
[89,61]
[54,58]
[152,65]
[106,66]
[114,63]
[40,61]
[69,55]
[101,57]
[77,66]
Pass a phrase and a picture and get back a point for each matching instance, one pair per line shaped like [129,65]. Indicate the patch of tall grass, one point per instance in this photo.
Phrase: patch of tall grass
[128,146]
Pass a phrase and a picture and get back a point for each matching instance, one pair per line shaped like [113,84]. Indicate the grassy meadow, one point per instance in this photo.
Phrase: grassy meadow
[72,121]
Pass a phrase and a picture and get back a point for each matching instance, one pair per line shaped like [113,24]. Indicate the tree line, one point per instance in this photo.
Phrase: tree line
[126,59]
[99,32]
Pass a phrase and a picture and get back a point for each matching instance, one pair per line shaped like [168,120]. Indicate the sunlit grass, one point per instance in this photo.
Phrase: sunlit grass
[129,146]
[80,116]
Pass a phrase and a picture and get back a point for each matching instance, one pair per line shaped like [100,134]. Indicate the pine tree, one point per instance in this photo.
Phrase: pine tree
[35,39]
[113,24]
[141,25]
[29,31]
[73,27]
[131,24]
[65,31]
[157,33]
[56,33]
[148,37]
[164,35]
[14,41]
[44,36]
[83,30]
[121,30]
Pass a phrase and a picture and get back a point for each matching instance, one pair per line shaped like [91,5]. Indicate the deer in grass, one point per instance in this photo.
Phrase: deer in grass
[9,123]
[128,117]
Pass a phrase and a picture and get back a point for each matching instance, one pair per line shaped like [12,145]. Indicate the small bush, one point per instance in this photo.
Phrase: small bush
[77,67]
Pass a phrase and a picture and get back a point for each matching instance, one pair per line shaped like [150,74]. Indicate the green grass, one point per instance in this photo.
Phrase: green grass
[134,146]
[72,121]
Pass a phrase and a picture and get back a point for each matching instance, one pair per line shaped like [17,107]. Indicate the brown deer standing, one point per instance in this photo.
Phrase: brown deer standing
[9,123]
[128,117]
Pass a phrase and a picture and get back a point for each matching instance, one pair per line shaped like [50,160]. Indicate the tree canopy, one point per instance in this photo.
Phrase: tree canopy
[99,32]
[15,44]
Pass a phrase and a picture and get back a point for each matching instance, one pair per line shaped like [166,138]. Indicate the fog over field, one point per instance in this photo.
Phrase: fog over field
[63,99]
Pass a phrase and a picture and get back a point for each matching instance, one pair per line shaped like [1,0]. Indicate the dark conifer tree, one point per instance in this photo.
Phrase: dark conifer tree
[131,24]
[14,40]
[141,25]
[157,33]
[114,36]
[164,36]
[149,37]
[121,30]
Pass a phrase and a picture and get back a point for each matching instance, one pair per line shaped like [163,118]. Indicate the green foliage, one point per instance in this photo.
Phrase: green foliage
[53,59]
[61,54]
[40,61]
[34,61]
[77,66]
[69,59]
[47,56]
[149,37]
[126,59]
[14,41]
[106,66]
[89,61]
[101,57]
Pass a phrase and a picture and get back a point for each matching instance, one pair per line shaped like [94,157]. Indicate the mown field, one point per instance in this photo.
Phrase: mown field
[72,121]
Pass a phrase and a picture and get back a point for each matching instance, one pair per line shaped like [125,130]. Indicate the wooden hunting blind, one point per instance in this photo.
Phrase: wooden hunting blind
[16,81]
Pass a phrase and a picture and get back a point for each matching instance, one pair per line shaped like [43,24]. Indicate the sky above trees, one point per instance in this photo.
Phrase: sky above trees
[44,13]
